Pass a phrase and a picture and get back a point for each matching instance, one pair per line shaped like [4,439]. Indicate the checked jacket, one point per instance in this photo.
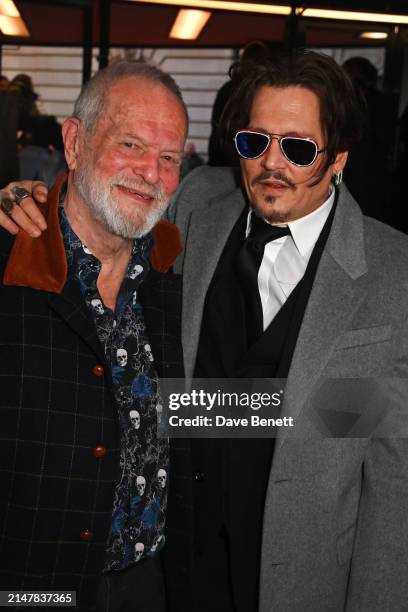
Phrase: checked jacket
[58,429]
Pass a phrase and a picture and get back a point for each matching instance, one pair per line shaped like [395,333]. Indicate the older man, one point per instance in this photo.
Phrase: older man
[284,277]
[87,325]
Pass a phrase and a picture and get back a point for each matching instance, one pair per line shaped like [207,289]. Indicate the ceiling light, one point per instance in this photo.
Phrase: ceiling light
[275,9]
[374,35]
[13,26]
[8,8]
[224,5]
[189,23]
[355,16]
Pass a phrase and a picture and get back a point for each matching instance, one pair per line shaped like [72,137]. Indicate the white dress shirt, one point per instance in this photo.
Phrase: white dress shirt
[285,260]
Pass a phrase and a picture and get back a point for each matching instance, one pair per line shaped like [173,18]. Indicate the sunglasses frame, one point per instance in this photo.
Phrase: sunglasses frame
[279,138]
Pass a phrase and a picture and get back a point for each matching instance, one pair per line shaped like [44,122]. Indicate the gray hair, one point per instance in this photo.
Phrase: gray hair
[91,101]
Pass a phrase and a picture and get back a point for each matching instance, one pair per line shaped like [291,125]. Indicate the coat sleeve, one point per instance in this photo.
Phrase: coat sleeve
[380,555]
[378,580]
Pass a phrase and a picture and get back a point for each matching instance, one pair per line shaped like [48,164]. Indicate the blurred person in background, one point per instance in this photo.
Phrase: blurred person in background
[40,146]
[9,117]
[27,103]
[41,154]
[400,175]
[368,171]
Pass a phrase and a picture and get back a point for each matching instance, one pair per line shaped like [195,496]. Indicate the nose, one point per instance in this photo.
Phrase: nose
[147,166]
[273,158]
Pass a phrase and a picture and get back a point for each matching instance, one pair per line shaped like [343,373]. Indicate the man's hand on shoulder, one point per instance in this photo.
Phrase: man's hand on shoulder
[18,212]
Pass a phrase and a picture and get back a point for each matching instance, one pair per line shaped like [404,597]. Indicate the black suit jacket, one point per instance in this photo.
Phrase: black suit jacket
[56,409]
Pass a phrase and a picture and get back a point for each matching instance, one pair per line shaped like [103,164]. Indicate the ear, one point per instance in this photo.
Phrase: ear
[340,162]
[71,135]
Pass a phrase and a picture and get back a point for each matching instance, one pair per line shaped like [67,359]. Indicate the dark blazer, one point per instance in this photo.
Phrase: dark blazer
[56,410]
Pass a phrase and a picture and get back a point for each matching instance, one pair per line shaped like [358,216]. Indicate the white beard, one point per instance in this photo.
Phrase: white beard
[106,210]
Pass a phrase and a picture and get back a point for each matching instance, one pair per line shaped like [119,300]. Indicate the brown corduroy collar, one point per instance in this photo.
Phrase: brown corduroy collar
[41,263]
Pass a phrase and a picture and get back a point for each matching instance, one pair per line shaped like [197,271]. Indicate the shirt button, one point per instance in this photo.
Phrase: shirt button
[86,535]
[198,476]
[99,452]
[98,370]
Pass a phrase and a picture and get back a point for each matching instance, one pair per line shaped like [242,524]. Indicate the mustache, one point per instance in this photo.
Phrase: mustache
[153,191]
[276,175]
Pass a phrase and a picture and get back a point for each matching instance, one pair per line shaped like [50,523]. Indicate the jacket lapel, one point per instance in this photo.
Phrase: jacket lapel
[208,232]
[160,296]
[70,306]
[337,292]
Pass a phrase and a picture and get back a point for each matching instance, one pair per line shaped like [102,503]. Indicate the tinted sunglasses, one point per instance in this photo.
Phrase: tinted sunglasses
[298,151]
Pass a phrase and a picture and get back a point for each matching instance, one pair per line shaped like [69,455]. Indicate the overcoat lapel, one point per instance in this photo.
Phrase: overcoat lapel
[337,292]
[334,299]
[208,232]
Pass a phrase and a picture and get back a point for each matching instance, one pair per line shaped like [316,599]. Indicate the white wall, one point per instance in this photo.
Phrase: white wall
[57,77]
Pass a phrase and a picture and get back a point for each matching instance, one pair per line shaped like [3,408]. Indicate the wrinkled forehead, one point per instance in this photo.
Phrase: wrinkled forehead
[130,98]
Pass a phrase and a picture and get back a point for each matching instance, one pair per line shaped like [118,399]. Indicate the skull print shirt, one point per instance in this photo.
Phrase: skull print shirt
[140,495]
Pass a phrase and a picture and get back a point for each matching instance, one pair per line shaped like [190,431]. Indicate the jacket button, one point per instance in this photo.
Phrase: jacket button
[86,535]
[98,370]
[99,452]
[198,476]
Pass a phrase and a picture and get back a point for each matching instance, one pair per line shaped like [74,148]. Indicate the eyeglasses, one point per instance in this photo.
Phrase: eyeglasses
[298,151]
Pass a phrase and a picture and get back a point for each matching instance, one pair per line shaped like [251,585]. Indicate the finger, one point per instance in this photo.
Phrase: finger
[24,192]
[40,191]
[33,213]
[28,185]
[22,220]
[8,224]
[36,188]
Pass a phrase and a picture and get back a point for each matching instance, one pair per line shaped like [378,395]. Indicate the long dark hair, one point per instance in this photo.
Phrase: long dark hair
[341,110]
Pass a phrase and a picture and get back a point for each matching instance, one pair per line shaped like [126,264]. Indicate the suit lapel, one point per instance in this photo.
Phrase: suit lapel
[208,232]
[160,296]
[70,306]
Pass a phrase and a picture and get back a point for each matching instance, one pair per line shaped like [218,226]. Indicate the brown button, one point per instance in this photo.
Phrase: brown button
[86,535]
[98,370]
[99,452]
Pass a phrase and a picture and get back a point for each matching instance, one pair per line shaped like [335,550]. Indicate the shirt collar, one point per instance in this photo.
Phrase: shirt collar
[306,230]
[86,267]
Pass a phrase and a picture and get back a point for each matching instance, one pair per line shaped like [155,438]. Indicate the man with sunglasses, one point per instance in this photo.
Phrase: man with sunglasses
[283,277]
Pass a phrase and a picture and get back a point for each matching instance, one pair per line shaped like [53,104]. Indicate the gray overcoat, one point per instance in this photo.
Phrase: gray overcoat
[335,531]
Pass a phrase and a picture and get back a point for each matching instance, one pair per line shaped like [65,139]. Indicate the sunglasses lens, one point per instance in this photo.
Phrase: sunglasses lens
[251,145]
[299,151]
